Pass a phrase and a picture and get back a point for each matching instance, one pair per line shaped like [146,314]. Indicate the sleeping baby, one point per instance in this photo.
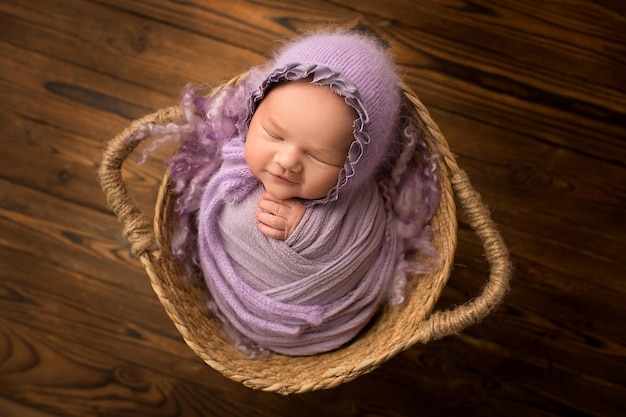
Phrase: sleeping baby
[302,203]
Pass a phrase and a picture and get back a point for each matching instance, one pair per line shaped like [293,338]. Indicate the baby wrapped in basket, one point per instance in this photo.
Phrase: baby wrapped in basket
[304,194]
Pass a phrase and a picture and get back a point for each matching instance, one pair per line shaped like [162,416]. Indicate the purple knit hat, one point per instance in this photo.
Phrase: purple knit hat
[358,68]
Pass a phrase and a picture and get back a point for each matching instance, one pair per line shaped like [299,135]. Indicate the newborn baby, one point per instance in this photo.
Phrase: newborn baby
[301,197]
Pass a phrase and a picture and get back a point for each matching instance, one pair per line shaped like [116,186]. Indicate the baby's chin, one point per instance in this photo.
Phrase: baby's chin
[285,193]
[280,194]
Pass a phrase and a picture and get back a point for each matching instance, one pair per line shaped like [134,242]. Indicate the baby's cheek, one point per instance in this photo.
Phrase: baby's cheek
[251,153]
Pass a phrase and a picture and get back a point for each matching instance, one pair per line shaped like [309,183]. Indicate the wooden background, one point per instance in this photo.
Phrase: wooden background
[531,96]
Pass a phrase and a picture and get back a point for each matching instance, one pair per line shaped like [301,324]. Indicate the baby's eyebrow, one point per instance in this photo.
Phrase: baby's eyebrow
[272,126]
[324,151]
[332,157]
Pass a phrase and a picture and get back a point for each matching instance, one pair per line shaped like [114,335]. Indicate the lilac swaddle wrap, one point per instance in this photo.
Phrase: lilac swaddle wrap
[308,294]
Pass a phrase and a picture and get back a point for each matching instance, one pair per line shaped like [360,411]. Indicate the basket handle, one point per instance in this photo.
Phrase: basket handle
[447,322]
[137,230]
[444,323]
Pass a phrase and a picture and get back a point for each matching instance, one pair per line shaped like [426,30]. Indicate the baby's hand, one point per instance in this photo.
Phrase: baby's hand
[279,218]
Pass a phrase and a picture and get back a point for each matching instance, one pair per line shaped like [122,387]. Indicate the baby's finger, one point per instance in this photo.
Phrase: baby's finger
[272,226]
[272,233]
[270,220]
[273,207]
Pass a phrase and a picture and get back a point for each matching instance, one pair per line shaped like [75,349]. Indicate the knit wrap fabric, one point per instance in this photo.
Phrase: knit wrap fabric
[309,294]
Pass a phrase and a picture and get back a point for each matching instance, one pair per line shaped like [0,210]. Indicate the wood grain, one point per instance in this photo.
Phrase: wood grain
[530,95]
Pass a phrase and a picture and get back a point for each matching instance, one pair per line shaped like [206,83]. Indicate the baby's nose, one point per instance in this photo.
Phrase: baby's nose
[288,159]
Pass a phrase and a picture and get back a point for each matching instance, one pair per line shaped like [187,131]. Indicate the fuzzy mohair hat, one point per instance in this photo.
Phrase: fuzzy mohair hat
[357,67]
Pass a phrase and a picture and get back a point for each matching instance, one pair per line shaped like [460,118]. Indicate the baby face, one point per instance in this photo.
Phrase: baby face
[298,140]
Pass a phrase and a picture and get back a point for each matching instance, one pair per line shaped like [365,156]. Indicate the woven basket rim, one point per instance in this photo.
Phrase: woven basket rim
[392,331]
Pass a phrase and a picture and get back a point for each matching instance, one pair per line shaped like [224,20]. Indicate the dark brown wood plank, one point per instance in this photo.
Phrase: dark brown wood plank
[530,95]
[539,80]
[107,35]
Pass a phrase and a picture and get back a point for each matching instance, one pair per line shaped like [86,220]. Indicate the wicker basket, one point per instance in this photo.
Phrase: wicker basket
[392,331]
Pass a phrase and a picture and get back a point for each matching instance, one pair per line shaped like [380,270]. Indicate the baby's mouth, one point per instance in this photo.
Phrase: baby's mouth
[281,179]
